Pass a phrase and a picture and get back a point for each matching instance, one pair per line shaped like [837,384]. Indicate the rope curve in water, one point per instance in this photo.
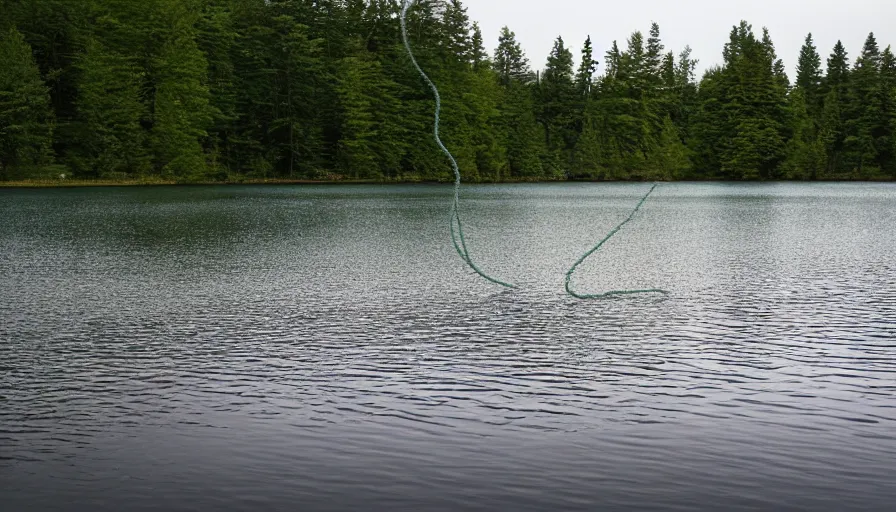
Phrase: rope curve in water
[457,234]
[594,249]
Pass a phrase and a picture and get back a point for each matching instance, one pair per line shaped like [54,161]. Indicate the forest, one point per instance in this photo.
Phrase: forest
[230,90]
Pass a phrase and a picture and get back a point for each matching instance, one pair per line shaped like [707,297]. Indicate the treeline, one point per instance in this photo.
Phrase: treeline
[322,89]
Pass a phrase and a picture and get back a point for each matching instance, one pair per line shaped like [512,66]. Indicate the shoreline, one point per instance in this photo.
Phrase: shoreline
[36,184]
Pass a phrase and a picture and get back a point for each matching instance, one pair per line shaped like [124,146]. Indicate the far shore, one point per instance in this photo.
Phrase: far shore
[82,183]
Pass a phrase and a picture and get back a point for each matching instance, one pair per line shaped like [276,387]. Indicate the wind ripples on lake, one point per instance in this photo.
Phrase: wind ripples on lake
[323,348]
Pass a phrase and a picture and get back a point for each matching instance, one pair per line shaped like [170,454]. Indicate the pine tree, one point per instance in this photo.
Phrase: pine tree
[809,78]
[355,154]
[111,113]
[587,68]
[217,39]
[711,127]
[832,130]
[477,48]
[886,142]
[181,111]
[557,108]
[805,158]
[521,134]
[654,56]
[456,26]
[684,91]
[670,159]
[510,62]
[864,124]
[26,119]
[744,119]
[214,89]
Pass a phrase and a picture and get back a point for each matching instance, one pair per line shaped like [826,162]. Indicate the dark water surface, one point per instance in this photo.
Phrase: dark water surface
[323,348]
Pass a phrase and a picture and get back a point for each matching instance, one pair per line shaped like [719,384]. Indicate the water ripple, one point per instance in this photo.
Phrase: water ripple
[267,347]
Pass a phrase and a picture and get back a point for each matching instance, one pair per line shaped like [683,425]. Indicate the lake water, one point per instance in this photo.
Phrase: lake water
[324,348]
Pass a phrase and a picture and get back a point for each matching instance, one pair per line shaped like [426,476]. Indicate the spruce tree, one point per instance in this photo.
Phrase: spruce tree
[654,56]
[587,68]
[26,118]
[805,155]
[864,124]
[886,142]
[510,62]
[181,111]
[558,103]
[685,92]
[111,113]
[519,131]
[832,130]
[809,78]
[477,49]
[745,118]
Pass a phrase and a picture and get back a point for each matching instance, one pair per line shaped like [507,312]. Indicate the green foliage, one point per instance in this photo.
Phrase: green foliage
[510,63]
[217,89]
[805,152]
[557,105]
[26,118]
[809,77]
[865,125]
[742,125]
[110,114]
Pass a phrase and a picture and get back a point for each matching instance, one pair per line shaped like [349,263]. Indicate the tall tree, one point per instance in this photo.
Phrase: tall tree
[510,62]
[654,56]
[26,118]
[805,155]
[477,49]
[181,111]
[111,114]
[833,117]
[864,125]
[587,68]
[886,142]
[809,78]
[744,117]
[558,102]
[521,135]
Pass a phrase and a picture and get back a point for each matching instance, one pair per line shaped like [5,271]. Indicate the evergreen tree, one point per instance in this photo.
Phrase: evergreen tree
[805,155]
[111,113]
[886,142]
[181,110]
[808,77]
[558,103]
[217,39]
[684,90]
[216,89]
[864,124]
[833,116]
[587,68]
[26,118]
[750,111]
[510,62]
[654,56]
[477,48]
[356,155]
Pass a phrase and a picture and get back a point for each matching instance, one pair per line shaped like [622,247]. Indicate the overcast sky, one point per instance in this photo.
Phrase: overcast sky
[703,24]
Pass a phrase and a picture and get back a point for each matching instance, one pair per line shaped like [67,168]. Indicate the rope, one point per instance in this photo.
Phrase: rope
[457,235]
[594,249]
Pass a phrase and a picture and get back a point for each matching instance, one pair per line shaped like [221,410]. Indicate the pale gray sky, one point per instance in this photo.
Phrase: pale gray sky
[703,24]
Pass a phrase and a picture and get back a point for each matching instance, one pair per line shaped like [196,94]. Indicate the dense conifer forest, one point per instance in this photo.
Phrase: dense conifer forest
[206,90]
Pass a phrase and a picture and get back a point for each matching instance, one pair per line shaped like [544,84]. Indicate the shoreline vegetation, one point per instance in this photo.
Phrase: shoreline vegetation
[298,91]
[153,182]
